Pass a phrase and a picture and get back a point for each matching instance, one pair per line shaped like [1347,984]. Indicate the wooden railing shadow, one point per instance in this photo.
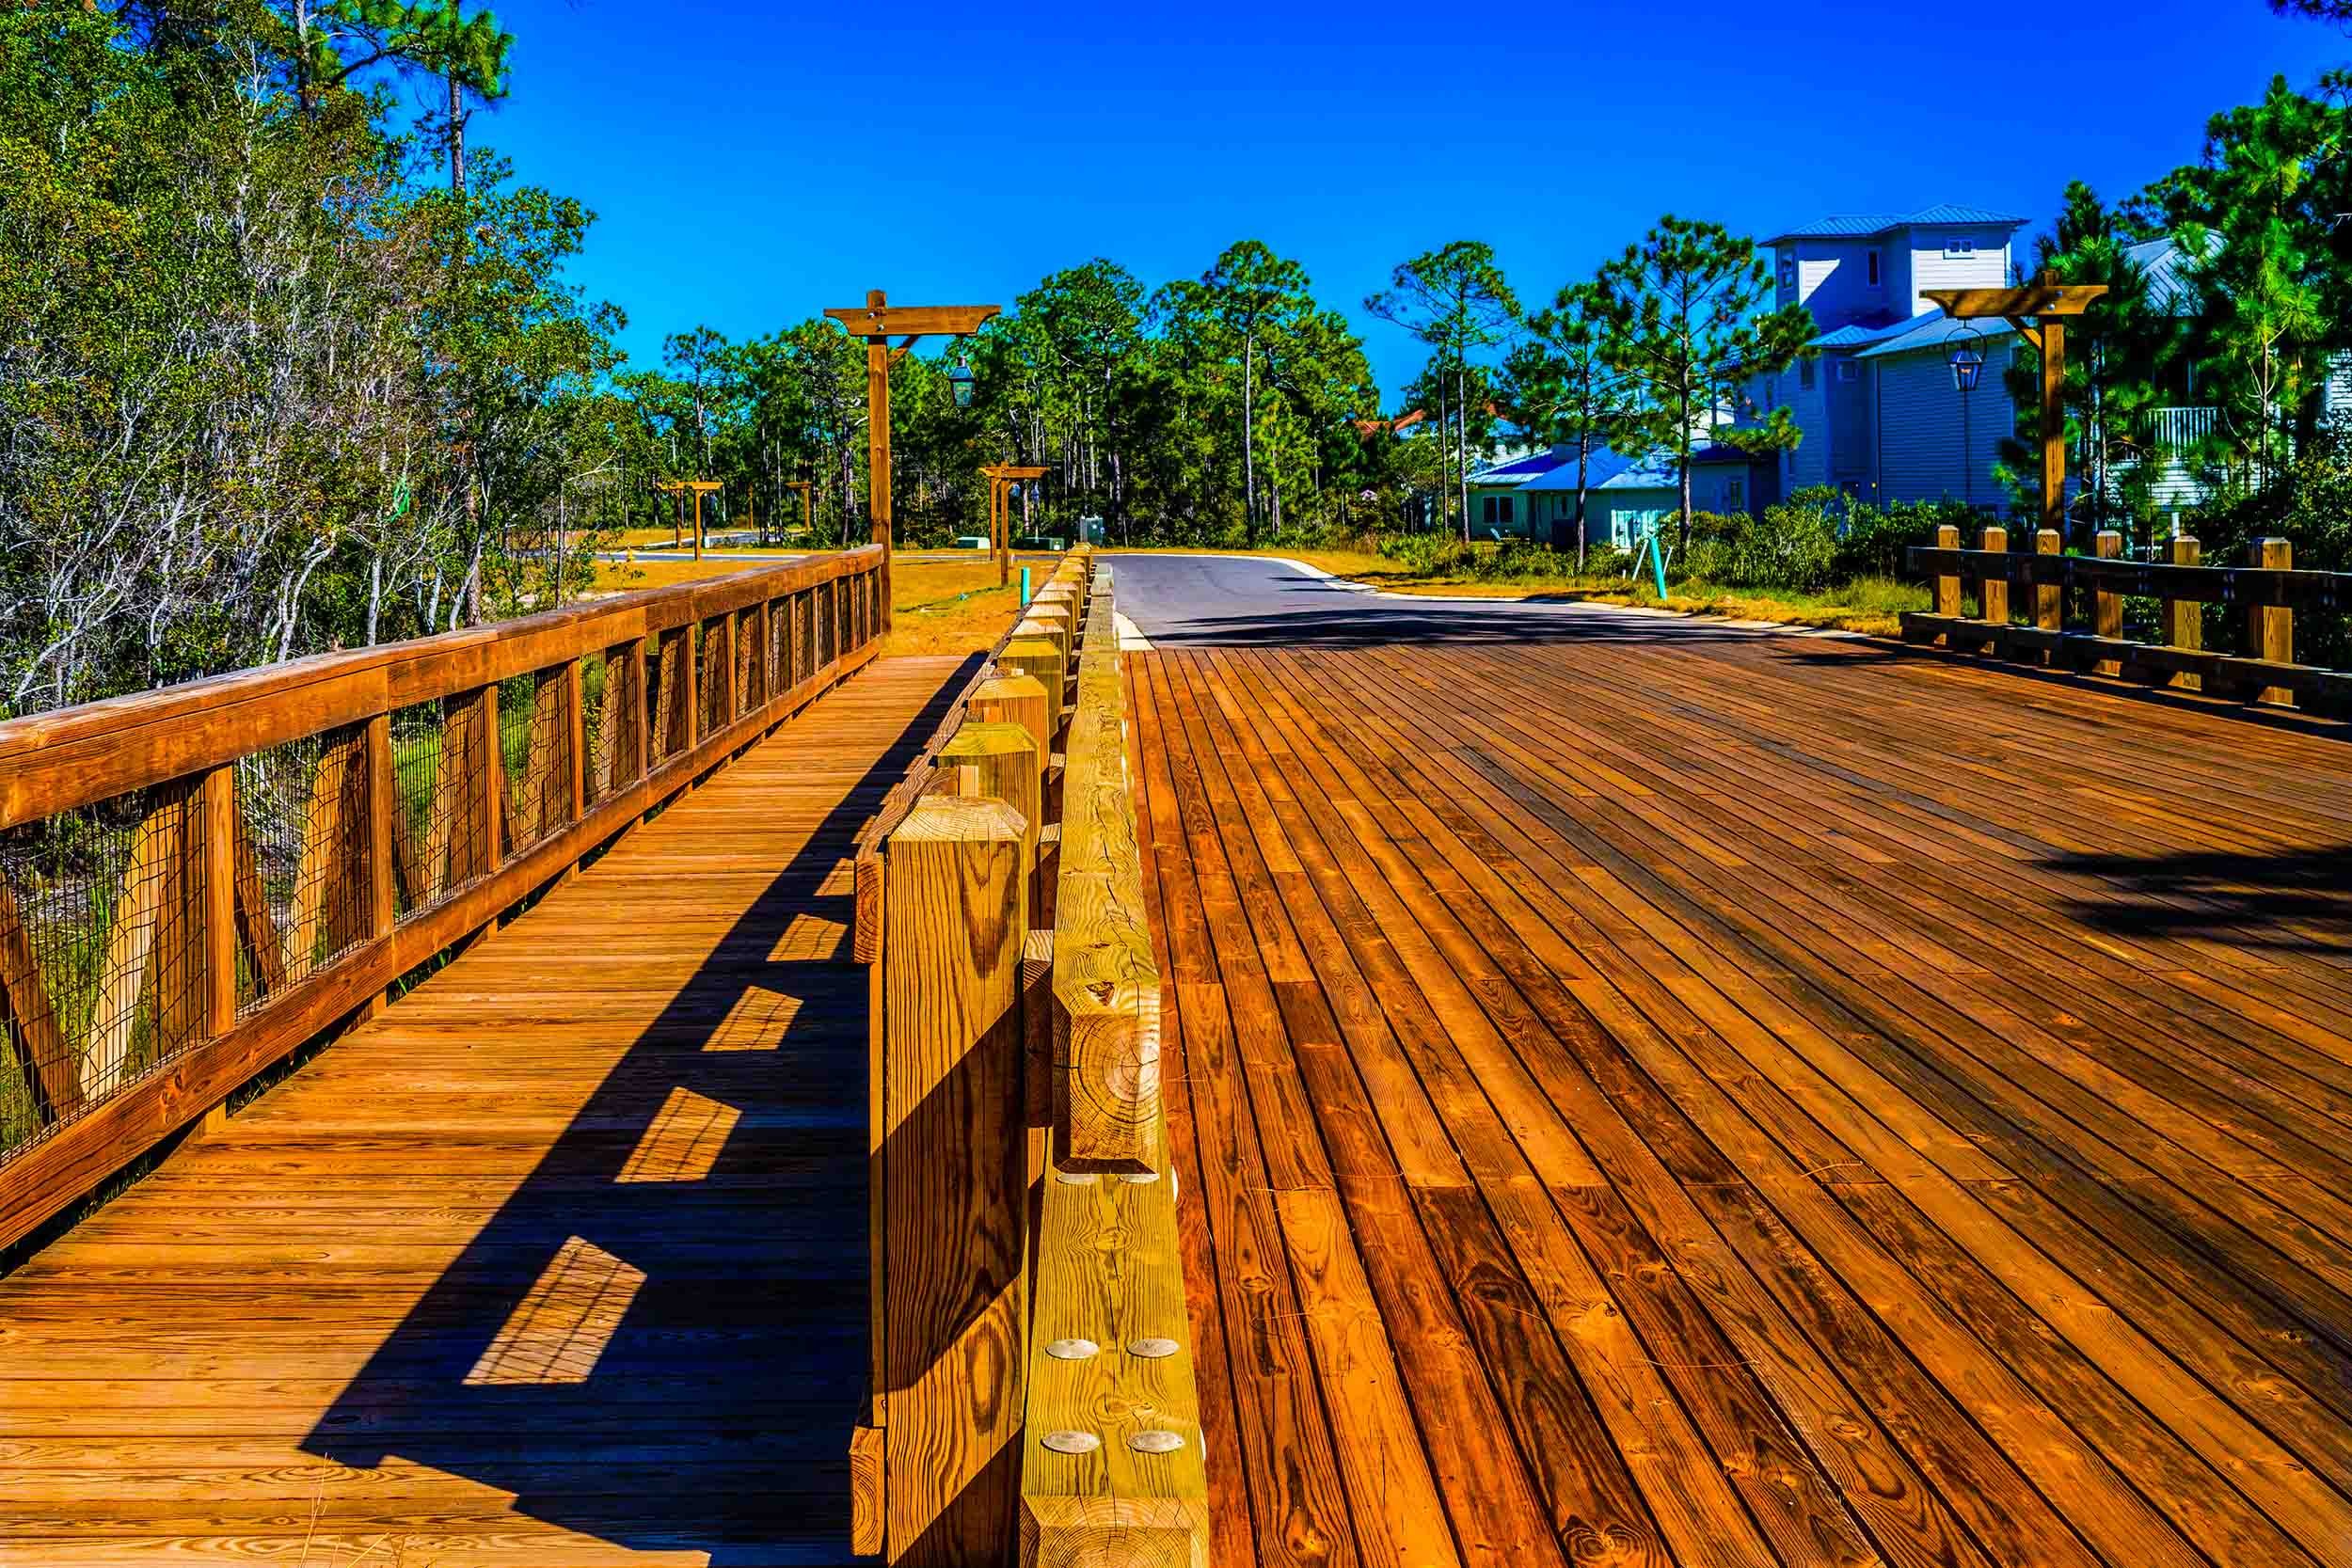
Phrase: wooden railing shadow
[737,1355]
[2288,901]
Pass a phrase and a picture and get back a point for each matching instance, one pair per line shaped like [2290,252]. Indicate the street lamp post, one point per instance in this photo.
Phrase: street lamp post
[1967,365]
[878,320]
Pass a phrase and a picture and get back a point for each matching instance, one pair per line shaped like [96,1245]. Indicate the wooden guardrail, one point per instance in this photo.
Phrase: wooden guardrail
[1033,1387]
[2268,590]
[198,879]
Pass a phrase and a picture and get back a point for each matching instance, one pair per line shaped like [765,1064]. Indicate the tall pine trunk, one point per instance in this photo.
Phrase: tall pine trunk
[1461,438]
[1248,440]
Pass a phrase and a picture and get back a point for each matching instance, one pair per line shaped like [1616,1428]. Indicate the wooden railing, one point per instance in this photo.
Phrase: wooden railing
[1033,1387]
[196,880]
[2268,590]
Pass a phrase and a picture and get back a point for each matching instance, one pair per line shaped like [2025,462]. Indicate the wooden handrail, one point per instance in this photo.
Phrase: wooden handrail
[2231,585]
[229,978]
[2269,592]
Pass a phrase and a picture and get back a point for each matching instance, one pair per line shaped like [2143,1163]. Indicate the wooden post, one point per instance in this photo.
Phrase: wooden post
[2185,618]
[1948,583]
[2049,598]
[1014,698]
[724,700]
[217,837]
[2270,627]
[1993,589]
[954,1183]
[2053,421]
[2107,605]
[1040,659]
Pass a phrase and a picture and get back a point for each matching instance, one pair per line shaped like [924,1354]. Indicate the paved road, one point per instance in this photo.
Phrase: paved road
[1207,599]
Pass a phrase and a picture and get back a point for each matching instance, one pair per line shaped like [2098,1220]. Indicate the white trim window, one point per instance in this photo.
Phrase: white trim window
[1872,277]
[1958,246]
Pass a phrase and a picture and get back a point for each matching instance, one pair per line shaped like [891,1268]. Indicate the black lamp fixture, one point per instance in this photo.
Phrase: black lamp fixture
[960,382]
[1967,359]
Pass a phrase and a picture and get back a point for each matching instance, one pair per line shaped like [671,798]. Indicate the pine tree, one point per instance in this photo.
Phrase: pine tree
[1685,327]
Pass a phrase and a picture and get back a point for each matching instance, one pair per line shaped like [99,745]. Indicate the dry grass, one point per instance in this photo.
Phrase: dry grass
[939,607]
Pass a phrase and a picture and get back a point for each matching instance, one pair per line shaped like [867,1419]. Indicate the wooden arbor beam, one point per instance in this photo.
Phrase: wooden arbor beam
[1000,476]
[877,321]
[2048,302]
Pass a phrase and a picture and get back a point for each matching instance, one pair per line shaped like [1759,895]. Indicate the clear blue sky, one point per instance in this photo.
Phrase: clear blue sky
[751,164]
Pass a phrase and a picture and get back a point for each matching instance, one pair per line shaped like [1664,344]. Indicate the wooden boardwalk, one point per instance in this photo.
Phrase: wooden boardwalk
[1744,1101]
[560,1261]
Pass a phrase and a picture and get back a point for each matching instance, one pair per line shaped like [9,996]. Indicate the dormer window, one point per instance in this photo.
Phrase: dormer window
[1870,266]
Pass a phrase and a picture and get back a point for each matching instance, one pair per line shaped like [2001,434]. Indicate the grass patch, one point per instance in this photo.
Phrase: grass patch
[937,607]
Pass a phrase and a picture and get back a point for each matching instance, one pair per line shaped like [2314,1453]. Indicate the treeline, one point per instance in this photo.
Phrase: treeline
[281,369]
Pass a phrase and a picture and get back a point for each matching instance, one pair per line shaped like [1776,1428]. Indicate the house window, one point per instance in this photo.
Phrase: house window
[1789,273]
[1959,244]
[1804,375]
[1870,266]
[1849,370]
[1502,509]
[1489,510]
[1735,495]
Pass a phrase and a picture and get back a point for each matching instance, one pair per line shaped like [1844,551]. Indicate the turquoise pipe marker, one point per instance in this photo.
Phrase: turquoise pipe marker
[1024,588]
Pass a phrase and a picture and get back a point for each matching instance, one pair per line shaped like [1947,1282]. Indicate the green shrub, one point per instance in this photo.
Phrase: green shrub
[1791,546]
[1874,538]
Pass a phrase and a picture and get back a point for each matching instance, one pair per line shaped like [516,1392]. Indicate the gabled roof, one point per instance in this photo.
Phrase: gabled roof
[2166,263]
[1600,465]
[1612,470]
[1518,470]
[1862,226]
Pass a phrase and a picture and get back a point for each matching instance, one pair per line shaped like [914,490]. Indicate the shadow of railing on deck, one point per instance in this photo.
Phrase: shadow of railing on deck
[2296,901]
[1358,619]
[726,1311]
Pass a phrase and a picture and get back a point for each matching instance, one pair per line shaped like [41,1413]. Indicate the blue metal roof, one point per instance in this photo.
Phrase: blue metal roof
[1859,226]
[1936,330]
[1612,471]
[1520,468]
[1600,465]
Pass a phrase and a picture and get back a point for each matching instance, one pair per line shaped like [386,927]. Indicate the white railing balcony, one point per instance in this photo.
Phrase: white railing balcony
[2176,429]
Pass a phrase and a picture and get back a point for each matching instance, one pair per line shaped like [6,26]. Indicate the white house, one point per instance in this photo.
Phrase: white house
[1875,400]
[1881,415]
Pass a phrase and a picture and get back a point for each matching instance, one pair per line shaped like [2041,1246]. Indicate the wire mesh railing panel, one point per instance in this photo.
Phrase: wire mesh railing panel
[714,675]
[751,665]
[776,653]
[102,966]
[596,731]
[672,680]
[423,807]
[300,860]
[535,747]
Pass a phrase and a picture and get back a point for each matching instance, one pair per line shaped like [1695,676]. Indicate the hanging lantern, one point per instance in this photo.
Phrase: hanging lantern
[1967,359]
[960,382]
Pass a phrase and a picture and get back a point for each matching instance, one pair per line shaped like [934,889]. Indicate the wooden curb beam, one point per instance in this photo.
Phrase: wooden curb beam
[1109,1463]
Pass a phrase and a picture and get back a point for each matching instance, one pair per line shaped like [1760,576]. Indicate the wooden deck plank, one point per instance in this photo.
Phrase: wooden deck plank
[1890,1064]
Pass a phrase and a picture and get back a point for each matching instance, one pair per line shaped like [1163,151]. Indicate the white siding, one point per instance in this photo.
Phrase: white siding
[1808,407]
[1919,429]
[1930,268]
[1832,280]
